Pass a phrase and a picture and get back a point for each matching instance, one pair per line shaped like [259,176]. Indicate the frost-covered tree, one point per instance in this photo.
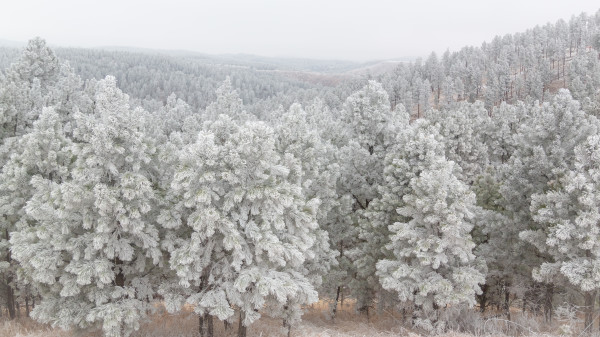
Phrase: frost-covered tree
[503,126]
[176,116]
[241,228]
[569,217]
[430,262]
[43,152]
[336,208]
[422,93]
[228,103]
[448,91]
[37,80]
[369,128]
[26,87]
[94,248]
[464,129]
[298,135]
[544,151]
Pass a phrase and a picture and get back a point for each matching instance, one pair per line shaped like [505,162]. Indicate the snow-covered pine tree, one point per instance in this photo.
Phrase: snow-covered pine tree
[464,130]
[35,81]
[26,87]
[544,151]
[299,136]
[569,218]
[430,261]
[228,103]
[93,250]
[241,229]
[45,152]
[368,129]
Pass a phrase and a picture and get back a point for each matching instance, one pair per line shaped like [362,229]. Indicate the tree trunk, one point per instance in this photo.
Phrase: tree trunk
[241,327]
[507,303]
[27,305]
[289,328]
[10,292]
[119,277]
[589,311]
[564,76]
[337,296]
[339,289]
[548,303]
[210,328]
[205,325]
[483,298]
[10,299]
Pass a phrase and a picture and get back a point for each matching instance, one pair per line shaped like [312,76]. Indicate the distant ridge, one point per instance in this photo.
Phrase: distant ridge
[326,66]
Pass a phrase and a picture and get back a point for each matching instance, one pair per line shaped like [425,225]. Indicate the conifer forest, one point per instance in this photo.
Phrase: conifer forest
[457,193]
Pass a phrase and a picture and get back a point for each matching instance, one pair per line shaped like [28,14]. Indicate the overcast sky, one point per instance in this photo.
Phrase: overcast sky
[332,29]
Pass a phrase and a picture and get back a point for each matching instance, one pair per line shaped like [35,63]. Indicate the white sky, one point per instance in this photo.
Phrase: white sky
[333,29]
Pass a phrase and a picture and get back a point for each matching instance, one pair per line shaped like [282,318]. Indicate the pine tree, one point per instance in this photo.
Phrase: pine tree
[242,230]
[369,129]
[228,102]
[569,218]
[37,80]
[544,151]
[93,249]
[464,129]
[431,264]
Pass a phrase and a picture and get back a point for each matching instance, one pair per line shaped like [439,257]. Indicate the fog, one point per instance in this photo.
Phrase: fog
[335,29]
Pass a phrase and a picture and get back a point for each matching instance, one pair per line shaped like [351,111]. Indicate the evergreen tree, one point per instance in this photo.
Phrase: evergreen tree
[369,129]
[569,218]
[431,262]
[544,151]
[94,248]
[36,81]
[241,230]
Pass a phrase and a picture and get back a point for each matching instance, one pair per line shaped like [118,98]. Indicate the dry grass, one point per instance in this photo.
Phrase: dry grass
[25,327]
[316,323]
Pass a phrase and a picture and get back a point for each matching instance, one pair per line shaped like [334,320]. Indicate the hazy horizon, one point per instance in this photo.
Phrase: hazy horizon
[335,30]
